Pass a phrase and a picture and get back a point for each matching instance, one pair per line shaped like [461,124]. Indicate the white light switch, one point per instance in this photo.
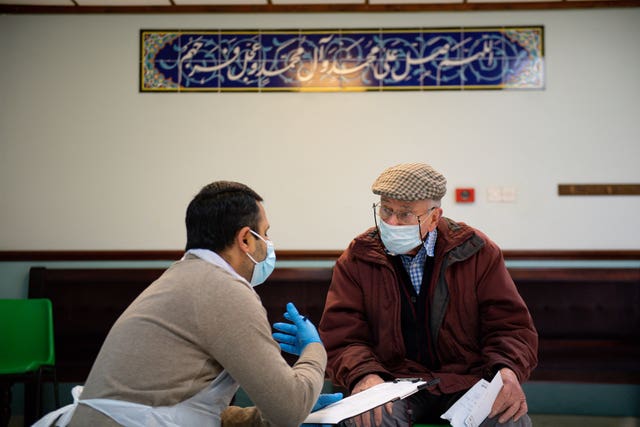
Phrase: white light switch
[494,194]
[508,194]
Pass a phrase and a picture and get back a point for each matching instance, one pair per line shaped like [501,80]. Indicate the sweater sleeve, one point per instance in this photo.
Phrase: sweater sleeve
[241,342]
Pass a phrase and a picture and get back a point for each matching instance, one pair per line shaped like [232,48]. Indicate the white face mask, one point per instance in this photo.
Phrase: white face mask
[263,269]
[400,239]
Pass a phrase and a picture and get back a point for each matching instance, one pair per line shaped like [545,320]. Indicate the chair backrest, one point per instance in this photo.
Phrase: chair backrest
[26,335]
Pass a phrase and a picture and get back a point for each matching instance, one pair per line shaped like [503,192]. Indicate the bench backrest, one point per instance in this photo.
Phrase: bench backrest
[588,320]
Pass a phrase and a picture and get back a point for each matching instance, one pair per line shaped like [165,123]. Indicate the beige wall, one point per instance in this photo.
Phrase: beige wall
[88,162]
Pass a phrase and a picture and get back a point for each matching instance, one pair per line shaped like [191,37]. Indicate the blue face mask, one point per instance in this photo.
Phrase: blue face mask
[263,269]
[400,239]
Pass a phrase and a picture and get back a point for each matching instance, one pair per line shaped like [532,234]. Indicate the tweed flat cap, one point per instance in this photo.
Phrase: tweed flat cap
[409,182]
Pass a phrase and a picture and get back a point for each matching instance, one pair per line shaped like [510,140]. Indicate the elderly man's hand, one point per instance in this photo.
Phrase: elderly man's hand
[364,420]
[511,402]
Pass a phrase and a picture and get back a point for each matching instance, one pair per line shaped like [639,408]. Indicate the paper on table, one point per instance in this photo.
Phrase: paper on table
[365,400]
[474,406]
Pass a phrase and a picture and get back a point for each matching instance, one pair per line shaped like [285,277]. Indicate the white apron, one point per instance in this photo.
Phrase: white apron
[202,409]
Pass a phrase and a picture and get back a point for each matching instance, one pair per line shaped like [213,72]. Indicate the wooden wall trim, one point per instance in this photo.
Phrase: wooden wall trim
[320,8]
[609,255]
[523,276]
[297,255]
[598,189]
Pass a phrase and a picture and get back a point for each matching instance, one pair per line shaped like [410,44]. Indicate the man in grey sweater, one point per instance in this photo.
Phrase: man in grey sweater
[180,351]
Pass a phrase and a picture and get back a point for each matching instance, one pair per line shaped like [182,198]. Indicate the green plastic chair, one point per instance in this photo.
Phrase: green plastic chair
[27,345]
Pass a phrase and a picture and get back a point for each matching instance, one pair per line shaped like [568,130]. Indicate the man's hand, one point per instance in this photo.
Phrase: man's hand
[364,420]
[293,337]
[511,402]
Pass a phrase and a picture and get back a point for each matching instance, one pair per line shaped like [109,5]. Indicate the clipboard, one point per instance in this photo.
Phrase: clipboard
[368,399]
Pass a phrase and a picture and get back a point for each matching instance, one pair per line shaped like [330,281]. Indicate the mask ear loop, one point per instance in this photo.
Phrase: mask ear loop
[257,237]
[420,226]
[420,231]
[429,239]
[375,221]
[252,259]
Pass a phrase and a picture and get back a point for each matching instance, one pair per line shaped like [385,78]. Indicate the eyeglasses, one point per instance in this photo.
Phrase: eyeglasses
[403,217]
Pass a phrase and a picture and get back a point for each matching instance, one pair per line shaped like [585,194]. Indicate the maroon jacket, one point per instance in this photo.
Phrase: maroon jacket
[478,320]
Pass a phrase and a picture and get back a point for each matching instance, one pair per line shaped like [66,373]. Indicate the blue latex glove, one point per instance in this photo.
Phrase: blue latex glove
[293,337]
[323,400]
[326,400]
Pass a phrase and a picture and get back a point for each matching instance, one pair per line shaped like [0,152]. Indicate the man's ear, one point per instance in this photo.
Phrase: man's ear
[242,239]
[435,218]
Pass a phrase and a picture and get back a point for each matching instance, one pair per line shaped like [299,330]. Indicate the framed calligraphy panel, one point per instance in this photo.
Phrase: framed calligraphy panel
[342,60]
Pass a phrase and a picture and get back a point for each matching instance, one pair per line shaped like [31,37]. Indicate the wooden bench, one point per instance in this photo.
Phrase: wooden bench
[86,303]
[588,320]
[588,323]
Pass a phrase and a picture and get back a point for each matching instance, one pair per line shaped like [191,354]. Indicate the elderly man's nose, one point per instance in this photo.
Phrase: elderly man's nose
[393,219]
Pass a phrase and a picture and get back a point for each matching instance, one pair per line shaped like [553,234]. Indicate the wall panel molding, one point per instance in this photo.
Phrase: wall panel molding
[287,255]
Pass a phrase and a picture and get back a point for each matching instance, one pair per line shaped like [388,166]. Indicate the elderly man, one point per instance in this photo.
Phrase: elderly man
[420,295]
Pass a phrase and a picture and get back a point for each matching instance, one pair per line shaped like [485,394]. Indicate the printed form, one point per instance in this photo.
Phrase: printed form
[475,405]
[364,401]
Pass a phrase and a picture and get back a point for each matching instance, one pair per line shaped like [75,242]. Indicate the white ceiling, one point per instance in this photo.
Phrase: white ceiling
[70,5]
[119,3]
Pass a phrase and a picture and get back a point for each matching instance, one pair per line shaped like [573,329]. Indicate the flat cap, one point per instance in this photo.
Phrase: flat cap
[410,182]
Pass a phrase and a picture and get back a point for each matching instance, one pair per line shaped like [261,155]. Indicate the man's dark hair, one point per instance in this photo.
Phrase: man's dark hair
[217,212]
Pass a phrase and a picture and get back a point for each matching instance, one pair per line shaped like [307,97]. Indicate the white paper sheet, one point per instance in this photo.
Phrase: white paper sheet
[475,405]
[365,400]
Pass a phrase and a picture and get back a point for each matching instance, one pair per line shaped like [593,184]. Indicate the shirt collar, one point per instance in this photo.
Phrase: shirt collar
[215,259]
[430,244]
